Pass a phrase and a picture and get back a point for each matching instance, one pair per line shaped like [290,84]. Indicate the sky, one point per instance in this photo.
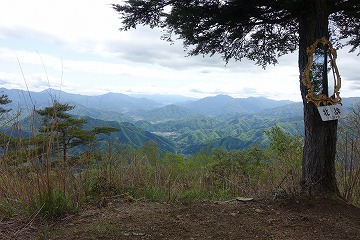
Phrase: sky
[76,46]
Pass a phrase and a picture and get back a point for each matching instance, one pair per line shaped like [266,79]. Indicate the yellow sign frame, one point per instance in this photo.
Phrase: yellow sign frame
[323,99]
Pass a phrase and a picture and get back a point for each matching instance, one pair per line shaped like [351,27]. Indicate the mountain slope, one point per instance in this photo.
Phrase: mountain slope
[114,102]
[167,113]
[129,134]
[224,105]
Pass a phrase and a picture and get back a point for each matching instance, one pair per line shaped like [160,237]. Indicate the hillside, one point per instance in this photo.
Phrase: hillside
[224,105]
[168,113]
[110,102]
[129,134]
[185,127]
[192,134]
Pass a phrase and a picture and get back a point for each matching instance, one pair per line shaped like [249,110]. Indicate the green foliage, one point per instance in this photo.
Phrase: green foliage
[155,193]
[6,208]
[67,131]
[169,112]
[220,174]
[136,137]
[193,134]
[6,140]
[240,29]
[285,155]
[3,101]
[96,185]
[55,204]
[348,155]
[238,170]
[151,151]
[189,196]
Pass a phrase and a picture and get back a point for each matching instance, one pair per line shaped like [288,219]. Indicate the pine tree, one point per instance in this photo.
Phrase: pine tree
[262,31]
[67,131]
[6,139]
[3,101]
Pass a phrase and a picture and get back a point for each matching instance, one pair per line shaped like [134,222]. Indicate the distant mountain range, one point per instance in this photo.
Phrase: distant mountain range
[129,108]
[185,126]
[224,105]
[110,102]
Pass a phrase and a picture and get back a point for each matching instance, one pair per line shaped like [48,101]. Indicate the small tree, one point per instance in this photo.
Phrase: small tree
[285,151]
[3,101]
[5,138]
[68,131]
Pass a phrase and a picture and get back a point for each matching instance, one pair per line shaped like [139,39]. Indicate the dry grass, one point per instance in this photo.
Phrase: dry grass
[40,183]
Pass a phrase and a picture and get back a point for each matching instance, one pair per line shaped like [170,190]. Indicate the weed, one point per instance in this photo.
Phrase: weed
[44,233]
[6,208]
[54,204]
[155,193]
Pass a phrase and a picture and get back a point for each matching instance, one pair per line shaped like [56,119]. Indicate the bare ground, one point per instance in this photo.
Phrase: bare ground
[119,218]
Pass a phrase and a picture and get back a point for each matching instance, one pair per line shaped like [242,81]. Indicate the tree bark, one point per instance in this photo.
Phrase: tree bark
[318,163]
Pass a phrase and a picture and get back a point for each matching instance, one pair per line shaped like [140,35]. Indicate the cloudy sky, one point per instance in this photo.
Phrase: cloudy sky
[75,46]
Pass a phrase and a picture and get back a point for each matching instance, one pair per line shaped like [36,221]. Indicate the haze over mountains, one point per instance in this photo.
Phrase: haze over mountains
[219,105]
[185,126]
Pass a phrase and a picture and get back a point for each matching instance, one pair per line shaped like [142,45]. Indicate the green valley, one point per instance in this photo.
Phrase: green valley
[184,127]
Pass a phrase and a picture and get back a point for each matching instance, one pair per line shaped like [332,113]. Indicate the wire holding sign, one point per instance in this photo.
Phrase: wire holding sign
[330,112]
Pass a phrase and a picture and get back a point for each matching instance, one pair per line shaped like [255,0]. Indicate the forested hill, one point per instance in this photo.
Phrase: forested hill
[185,127]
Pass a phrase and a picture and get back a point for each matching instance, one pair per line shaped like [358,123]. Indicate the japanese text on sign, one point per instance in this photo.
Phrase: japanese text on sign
[331,112]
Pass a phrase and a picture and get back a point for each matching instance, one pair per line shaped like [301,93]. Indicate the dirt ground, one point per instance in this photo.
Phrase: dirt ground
[119,218]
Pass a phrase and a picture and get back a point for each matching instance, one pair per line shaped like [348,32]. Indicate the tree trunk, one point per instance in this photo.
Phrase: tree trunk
[318,163]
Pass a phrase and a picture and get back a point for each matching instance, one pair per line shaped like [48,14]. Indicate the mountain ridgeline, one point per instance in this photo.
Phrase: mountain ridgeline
[182,127]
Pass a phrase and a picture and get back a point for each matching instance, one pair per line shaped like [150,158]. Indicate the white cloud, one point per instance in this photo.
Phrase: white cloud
[67,19]
[83,51]
[196,80]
